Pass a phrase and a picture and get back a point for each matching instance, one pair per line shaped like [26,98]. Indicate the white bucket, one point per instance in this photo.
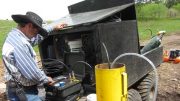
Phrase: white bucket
[91,97]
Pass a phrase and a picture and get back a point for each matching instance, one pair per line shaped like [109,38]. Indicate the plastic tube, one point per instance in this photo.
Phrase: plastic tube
[84,63]
[145,58]
[106,54]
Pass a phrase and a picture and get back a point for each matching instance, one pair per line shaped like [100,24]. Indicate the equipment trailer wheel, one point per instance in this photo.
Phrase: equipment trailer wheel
[146,87]
[133,95]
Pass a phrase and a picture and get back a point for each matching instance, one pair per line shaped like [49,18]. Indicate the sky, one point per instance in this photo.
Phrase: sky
[47,9]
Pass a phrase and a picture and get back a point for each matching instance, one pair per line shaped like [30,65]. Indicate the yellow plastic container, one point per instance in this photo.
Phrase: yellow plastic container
[111,84]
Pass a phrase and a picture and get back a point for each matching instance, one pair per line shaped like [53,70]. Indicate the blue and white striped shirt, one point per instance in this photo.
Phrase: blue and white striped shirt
[20,57]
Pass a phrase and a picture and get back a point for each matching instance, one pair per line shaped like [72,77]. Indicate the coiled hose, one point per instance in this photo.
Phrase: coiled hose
[145,58]
[69,70]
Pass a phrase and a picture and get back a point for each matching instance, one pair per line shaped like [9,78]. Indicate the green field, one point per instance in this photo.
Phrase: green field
[152,16]
[156,16]
[5,27]
[169,25]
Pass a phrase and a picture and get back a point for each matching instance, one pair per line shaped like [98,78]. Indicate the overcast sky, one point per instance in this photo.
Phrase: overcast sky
[47,9]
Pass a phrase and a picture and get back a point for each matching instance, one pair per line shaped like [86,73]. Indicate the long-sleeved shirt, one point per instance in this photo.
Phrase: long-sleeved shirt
[19,57]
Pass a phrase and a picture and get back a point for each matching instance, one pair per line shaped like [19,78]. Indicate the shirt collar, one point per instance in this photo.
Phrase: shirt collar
[22,34]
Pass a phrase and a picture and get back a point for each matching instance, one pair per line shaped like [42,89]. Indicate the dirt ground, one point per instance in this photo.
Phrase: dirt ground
[169,73]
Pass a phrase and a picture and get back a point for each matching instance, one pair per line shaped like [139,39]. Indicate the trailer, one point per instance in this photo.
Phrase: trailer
[78,48]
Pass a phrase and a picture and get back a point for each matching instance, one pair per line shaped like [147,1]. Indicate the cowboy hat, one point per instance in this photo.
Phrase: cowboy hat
[32,18]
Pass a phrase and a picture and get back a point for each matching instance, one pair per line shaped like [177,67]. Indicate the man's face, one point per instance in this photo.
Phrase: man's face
[33,30]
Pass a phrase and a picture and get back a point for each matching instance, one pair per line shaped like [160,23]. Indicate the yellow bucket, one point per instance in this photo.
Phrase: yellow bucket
[111,84]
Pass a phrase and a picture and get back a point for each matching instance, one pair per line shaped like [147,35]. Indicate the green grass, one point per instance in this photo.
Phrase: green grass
[177,7]
[5,27]
[151,11]
[157,17]
[169,25]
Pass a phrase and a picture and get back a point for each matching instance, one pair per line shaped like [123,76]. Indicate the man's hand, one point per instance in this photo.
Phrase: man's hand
[51,81]
[60,26]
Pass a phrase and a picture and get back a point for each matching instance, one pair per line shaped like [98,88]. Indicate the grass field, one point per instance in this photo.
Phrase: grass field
[169,25]
[5,27]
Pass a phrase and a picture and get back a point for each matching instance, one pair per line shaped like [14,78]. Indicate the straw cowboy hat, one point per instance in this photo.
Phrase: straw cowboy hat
[32,18]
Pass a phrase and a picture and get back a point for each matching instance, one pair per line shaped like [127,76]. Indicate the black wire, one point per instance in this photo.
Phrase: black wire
[70,70]
[83,62]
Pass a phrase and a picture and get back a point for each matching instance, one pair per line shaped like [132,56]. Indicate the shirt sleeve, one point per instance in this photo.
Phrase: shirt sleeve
[49,27]
[36,40]
[27,65]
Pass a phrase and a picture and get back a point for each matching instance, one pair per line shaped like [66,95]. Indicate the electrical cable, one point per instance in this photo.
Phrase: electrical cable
[70,70]
[83,62]
[149,61]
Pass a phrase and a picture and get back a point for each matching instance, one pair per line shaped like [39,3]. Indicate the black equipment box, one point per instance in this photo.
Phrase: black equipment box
[91,23]
[63,89]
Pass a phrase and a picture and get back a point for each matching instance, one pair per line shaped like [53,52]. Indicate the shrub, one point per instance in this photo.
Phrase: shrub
[151,11]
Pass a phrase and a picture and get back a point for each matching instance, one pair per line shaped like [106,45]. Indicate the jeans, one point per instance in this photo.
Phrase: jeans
[32,95]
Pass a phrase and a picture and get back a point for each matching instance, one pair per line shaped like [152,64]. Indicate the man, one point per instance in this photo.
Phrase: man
[19,56]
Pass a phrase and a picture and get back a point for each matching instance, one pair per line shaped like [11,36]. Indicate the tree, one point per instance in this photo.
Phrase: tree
[170,3]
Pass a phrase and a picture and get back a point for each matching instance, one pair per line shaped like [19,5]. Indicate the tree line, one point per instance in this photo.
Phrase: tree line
[168,3]
[155,9]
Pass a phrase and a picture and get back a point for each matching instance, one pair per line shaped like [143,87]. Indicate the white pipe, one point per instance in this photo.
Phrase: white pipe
[106,54]
[149,61]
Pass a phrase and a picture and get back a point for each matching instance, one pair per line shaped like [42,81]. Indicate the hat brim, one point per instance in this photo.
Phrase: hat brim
[24,19]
